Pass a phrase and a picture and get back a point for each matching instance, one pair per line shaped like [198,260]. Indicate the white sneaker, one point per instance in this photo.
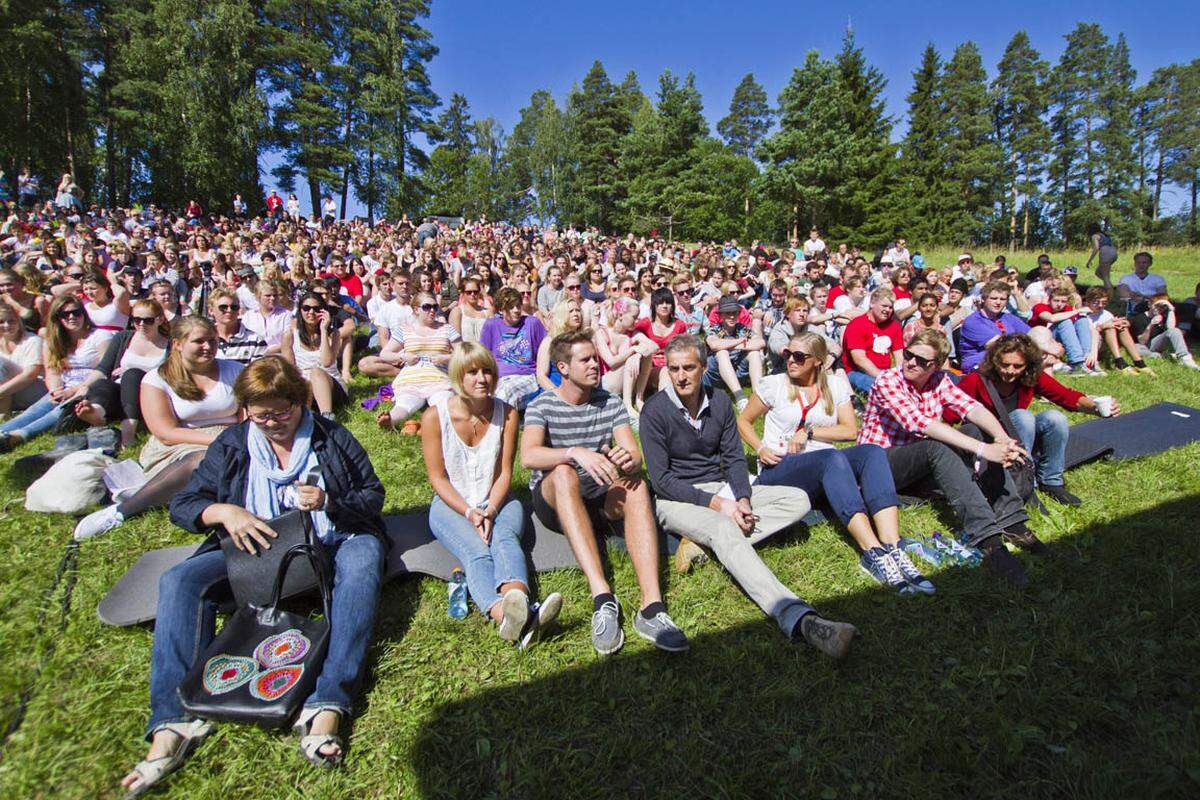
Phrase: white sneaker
[1189,362]
[98,522]
[514,608]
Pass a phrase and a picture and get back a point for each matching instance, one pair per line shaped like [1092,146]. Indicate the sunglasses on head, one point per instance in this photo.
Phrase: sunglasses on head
[922,362]
[798,357]
[225,308]
[70,313]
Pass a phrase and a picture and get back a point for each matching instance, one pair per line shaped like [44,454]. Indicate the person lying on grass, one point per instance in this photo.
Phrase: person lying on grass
[580,445]
[251,474]
[704,492]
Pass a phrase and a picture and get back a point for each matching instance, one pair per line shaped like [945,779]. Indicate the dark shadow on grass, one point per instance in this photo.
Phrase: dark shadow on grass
[1085,685]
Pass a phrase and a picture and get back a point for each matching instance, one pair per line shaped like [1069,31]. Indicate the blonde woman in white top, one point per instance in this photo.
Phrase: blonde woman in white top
[469,441]
[20,364]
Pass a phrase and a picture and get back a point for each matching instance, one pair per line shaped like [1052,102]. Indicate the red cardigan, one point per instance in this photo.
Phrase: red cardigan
[1046,387]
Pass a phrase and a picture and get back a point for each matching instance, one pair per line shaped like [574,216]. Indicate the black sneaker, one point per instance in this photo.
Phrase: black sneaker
[1003,564]
[1025,539]
[1059,494]
[831,638]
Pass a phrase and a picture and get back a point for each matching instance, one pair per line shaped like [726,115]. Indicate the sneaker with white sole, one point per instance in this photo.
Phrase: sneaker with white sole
[877,563]
[98,522]
[607,636]
[662,631]
[909,570]
[514,613]
[541,616]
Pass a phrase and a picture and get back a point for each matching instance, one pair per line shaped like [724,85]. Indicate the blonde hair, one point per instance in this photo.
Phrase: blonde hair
[814,345]
[468,357]
[935,340]
[173,371]
[558,320]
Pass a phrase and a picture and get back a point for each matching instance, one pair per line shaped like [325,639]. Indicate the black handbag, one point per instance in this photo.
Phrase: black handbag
[1023,474]
[265,662]
[251,575]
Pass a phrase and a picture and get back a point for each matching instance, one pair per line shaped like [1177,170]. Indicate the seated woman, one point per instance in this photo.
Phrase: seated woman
[1155,327]
[186,403]
[929,315]
[115,394]
[567,316]
[30,308]
[469,440]
[20,364]
[239,486]
[1115,333]
[424,347]
[72,350]
[1013,365]
[107,301]
[656,329]
[312,345]
[619,358]
[471,311]
[806,410]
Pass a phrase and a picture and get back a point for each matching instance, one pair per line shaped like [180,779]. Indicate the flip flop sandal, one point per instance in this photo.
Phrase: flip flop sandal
[151,771]
[311,743]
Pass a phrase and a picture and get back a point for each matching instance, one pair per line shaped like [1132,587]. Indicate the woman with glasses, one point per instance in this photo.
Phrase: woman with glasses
[130,355]
[250,476]
[186,402]
[312,345]
[470,312]
[594,288]
[807,409]
[72,349]
[20,364]
[424,348]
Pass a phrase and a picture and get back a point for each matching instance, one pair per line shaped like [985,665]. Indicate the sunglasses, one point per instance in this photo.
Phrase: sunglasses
[798,357]
[143,320]
[71,313]
[313,309]
[922,362]
[429,307]
[225,308]
[471,291]
[75,276]
[280,416]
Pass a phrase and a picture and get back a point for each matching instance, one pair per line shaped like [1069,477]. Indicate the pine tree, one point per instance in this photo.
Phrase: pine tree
[924,155]
[448,163]
[749,117]
[972,156]
[597,121]
[1019,103]
[1115,137]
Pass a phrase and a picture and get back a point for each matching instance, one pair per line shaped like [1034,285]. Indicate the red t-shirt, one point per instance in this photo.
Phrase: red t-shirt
[879,342]
[645,328]
[352,286]
[834,294]
[274,201]
[1043,308]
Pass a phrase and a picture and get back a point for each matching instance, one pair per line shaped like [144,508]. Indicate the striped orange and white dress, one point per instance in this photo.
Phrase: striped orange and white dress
[425,376]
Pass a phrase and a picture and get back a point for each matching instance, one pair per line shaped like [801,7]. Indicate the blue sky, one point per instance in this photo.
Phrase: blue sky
[498,53]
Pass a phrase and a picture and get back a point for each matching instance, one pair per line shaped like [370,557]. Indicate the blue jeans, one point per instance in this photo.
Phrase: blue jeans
[488,566]
[38,418]
[741,367]
[1048,433]
[856,480]
[861,381]
[188,596]
[1075,335]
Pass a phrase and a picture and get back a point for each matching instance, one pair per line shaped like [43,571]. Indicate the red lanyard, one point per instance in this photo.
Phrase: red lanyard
[804,409]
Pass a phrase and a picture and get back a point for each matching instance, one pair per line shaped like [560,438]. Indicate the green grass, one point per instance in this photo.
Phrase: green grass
[1085,687]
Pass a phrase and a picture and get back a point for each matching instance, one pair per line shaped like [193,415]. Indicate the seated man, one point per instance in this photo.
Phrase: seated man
[904,416]
[579,444]
[872,342]
[694,453]
[992,321]
[1141,285]
[737,349]
[514,338]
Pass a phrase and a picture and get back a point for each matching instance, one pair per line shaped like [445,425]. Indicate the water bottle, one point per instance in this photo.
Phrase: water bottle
[458,594]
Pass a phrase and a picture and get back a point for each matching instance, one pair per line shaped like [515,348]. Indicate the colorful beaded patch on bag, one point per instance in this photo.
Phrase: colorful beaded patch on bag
[282,648]
[225,673]
[273,684]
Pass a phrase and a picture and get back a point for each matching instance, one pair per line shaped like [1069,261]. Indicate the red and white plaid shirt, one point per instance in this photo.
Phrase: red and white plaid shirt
[897,412]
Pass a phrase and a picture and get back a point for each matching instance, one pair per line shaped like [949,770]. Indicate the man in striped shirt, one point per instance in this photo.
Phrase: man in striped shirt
[580,446]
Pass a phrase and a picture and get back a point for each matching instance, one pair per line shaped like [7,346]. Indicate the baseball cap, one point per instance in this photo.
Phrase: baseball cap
[729,304]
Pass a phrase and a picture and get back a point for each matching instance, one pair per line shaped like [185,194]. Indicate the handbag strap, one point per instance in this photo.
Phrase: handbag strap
[999,408]
[318,565]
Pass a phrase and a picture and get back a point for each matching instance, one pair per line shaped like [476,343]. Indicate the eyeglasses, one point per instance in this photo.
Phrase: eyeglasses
[574,288]
[471,292]
[279,416]
[143,320]
[71,313]
[798,357]
[922,362]
[311,308]
[429,307]
[628,290]
[225,308]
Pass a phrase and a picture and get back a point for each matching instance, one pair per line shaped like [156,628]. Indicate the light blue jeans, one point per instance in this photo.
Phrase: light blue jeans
[38,418]
[1045,436]
[861,381]
[488,565]
[1075,335]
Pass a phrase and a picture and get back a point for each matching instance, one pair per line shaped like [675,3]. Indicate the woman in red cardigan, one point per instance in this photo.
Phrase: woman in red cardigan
[1013,364]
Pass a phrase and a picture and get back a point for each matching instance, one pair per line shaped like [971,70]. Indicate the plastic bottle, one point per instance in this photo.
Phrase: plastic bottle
[457,592]
[919,549]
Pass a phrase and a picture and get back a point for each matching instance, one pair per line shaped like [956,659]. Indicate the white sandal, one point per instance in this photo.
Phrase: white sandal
[151,771]
[311,743]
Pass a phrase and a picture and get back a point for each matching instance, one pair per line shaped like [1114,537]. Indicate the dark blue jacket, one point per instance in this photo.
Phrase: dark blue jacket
[353,493]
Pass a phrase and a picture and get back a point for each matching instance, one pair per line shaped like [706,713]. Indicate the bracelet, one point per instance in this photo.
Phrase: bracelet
[979,450]
[570,457]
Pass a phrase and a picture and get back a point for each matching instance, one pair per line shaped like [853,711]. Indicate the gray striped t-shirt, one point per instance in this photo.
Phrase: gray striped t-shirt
[588,425]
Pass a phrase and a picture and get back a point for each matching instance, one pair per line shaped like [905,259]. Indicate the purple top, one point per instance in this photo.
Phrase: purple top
[516,348]
[978,329]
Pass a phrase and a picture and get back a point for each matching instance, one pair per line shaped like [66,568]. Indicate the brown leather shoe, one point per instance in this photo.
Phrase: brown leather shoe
[1026,540]
[687,555]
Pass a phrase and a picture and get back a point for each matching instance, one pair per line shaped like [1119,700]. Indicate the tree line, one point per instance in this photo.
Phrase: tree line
[169,100]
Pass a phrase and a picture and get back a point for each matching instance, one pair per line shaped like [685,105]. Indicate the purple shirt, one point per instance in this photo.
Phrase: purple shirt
[516,348]
[978,329]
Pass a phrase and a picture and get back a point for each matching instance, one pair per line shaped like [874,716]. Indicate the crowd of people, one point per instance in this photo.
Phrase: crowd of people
[614,368]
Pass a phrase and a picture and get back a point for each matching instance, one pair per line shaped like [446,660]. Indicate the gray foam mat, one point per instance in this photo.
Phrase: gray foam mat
[1144,432]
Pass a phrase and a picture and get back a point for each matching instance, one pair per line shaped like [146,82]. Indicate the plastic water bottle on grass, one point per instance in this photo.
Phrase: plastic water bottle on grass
[457,591]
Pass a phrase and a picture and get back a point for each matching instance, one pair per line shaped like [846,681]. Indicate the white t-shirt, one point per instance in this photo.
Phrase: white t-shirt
[813,246]
[27,353]
[1147,287]
[218,407]
[1101,317]
[784,415]
[395,316]
[844,303]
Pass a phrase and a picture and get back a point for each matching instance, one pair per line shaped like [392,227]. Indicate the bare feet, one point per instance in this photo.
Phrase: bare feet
[89,412]
[384,419]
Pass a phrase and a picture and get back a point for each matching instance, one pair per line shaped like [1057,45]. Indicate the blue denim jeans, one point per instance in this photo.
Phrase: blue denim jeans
[861,381]
[488,566]
[188,596]
[1045,437]
[1075,335]
[855,480]
[38,418]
